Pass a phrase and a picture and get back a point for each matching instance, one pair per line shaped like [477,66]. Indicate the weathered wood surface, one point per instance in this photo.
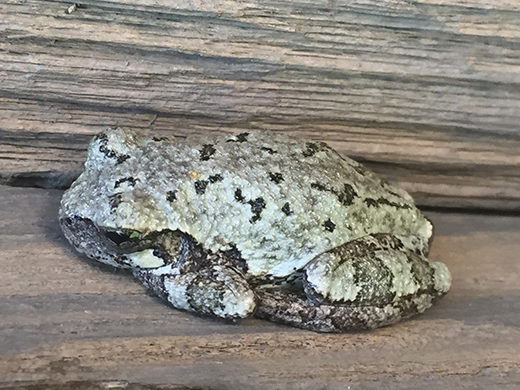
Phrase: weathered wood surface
[64,319]
[426,92]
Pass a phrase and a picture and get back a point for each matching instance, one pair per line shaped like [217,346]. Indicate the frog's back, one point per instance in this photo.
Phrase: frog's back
[279,201]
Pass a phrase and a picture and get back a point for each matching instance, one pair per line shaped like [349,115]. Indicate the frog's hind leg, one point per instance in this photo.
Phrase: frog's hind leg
[295,310]
[212,288]
[370,282]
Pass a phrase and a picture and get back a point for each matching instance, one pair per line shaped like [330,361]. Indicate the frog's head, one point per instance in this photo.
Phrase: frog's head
[120,229]
[110,213]
[125,248]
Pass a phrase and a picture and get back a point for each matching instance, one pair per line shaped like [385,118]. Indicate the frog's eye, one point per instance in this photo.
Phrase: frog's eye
[118,237]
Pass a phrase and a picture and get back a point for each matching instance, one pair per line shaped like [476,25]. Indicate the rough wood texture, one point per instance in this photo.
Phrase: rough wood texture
[64,319]
[426,92]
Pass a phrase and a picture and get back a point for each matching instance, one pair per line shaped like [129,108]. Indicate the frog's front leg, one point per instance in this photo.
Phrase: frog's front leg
[171,265]
[213,288]
[370,282]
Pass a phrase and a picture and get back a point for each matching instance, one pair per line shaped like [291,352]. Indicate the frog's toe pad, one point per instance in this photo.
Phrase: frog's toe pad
[215,292]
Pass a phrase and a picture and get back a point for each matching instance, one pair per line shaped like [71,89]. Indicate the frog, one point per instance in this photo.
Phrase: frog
[255,224]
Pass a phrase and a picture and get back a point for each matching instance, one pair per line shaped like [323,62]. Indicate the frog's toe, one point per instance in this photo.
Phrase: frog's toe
[221,292]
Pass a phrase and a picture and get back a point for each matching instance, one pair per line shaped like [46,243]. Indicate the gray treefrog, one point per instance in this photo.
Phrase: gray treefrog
[257,223]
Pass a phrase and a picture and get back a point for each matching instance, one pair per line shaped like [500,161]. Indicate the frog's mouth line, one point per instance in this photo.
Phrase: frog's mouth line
[139,250]
[128,241]
[118,237]
[114,246]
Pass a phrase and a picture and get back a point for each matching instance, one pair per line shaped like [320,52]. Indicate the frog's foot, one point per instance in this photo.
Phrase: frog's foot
[370,282]
[214,290]
[295,310]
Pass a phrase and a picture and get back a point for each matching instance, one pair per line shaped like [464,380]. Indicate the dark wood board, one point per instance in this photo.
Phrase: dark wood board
[426,92]
[66,323]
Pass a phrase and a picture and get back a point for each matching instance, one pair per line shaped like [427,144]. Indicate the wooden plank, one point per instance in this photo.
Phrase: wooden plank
[426,92]
[64,319]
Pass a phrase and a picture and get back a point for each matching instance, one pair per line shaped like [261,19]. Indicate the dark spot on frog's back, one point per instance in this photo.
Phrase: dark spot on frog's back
[238,195]
[200,186]
[370,202]
[131,181]
[319,186]
[329,225]
[106,151]
[206,152]
[242,137]
[215,178]
[347,195]
[257,206]
[268,150]
[275,177]
[109,153]
[287,209]
[171,196]
[101,137]
[122,158]
[311,148]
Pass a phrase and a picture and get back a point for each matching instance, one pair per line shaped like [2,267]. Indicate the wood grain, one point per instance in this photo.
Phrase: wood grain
[425,92]
[68,323]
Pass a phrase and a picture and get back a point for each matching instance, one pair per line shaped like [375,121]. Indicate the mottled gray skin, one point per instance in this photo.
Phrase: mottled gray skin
[259,223]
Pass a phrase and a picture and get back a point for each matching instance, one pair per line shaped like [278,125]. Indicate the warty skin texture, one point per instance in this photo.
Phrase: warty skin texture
[257,223]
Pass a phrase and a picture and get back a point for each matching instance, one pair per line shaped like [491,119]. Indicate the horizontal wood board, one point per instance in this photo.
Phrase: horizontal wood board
[66,323]
[426,92]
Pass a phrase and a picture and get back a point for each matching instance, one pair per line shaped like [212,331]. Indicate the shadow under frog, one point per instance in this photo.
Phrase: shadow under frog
[255,224]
